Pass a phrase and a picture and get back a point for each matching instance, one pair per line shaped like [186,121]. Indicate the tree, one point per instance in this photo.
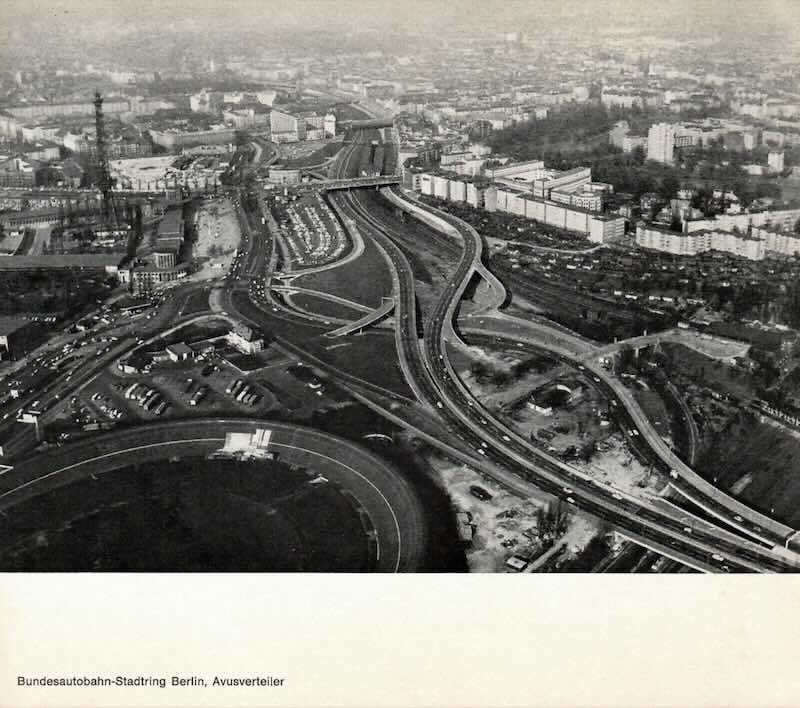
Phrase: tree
[627,357]
[670,184]
[638,155]
[587,450]
[792,310]
[552,521]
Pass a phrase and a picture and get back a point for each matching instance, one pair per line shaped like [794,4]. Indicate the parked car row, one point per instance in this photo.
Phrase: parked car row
[106,407]
[243,393]
[150,399]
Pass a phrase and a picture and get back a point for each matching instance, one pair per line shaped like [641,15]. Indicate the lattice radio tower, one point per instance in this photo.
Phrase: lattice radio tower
[106,184]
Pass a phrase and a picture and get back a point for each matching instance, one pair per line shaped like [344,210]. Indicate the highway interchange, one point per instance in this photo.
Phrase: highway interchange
[723,535]
[435,382]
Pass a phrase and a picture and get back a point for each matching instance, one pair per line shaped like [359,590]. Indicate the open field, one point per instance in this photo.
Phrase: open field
[655,410]
[324,307]
[371,356]
[505,524]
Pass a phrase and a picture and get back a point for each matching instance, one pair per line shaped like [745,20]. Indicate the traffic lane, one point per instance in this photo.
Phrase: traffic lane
[444,306]
[714,505]
[595,501]
[433,345]
[634,511]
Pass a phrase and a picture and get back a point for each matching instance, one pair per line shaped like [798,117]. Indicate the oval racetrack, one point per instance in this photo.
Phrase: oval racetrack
[397,524]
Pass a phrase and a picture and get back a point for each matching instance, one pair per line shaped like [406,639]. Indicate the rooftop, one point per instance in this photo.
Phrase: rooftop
[84,260]
[11,324]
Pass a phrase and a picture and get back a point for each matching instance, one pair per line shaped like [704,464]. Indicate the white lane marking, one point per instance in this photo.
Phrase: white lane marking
[104,456]
[380,494]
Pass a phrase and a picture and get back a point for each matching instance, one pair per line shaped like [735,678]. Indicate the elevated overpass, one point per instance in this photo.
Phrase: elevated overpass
[369,123]
[371,317]
[498,442]
[360,182]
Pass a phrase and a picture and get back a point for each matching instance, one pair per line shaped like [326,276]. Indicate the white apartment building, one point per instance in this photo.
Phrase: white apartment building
[566,182]
[782,219]
[690,244]
[775,161]
[661,143]
[781,242]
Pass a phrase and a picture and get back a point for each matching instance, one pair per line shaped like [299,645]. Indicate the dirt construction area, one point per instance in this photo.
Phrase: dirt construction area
[505,524]
[561,412]
[218,237]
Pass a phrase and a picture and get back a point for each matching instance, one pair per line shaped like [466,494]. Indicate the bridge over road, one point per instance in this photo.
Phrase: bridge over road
[371,317]
[360,182]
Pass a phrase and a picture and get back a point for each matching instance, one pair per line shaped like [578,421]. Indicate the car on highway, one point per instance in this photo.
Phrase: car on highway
[479,493]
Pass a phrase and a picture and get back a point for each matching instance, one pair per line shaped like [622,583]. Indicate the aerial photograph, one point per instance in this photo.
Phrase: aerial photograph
[419,287]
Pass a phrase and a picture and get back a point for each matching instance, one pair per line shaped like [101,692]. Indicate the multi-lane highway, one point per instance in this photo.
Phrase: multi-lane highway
[435,382]
[424,350]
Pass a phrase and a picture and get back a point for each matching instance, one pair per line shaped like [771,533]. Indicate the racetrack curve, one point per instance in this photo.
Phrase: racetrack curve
[395,512]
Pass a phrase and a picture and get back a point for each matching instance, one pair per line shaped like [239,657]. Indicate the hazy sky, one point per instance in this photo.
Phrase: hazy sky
[718,16]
